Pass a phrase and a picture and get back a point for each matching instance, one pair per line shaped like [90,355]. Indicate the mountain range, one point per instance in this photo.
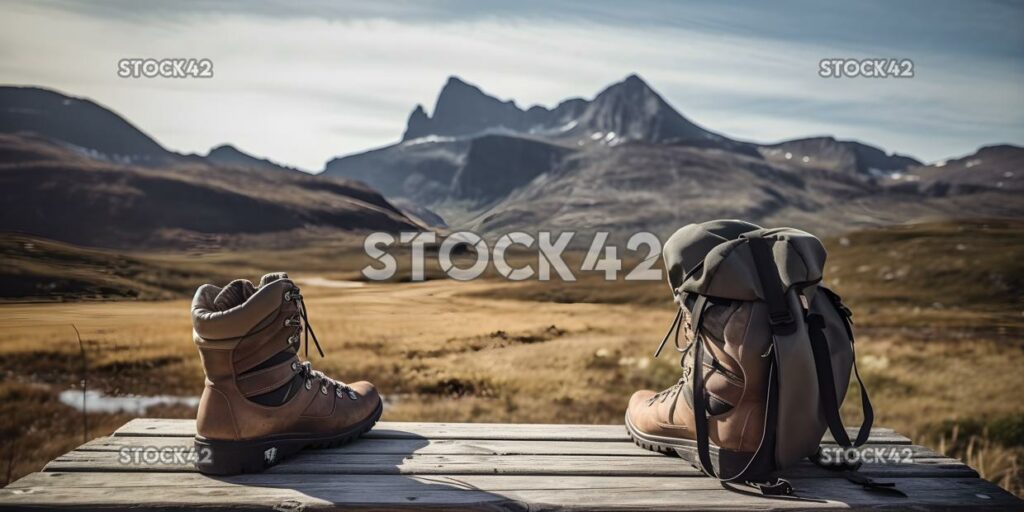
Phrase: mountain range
[622,161]
[627,160]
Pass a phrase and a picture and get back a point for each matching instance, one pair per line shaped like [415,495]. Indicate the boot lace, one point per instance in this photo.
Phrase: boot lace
[676,388]
[675,328]
[304,331]
[673,390]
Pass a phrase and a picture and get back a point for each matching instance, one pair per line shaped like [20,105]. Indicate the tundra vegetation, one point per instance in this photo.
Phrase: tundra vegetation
[938,309]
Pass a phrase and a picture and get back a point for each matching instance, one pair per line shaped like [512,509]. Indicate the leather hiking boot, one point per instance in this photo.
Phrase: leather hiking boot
[261,403]
[665,422]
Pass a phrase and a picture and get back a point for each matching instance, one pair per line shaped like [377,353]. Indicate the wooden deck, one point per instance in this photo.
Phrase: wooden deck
[469,466]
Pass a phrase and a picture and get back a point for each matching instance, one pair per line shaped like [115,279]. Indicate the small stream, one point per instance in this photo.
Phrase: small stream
[96,401]
[137,404]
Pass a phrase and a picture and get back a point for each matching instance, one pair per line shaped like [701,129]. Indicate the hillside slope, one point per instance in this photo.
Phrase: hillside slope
[78,122]
[50,191]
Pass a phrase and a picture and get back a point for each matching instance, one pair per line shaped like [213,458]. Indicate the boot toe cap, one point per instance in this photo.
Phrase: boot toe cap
[639,413]
[640,397]
[366,391]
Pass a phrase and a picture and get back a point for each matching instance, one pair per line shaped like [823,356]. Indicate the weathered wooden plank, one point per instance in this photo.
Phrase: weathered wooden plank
[406,430]
[91,491]
[471,466]
[508,431]
[331,462]
[410,446]
[456,446]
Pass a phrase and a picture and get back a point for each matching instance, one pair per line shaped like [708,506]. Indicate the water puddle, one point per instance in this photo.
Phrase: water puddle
[330,283]
[138,404]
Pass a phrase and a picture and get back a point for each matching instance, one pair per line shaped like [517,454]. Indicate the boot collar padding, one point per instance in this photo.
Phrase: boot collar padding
[235,322]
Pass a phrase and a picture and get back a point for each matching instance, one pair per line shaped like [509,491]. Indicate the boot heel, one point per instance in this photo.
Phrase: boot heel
[234,457]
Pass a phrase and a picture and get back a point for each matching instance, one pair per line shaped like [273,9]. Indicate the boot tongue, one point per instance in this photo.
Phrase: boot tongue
[235,293]
[271,277]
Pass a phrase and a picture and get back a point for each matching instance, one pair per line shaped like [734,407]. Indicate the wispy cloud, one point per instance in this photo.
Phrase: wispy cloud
[302,82]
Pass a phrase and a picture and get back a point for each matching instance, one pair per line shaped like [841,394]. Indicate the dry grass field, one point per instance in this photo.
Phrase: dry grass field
[938,310]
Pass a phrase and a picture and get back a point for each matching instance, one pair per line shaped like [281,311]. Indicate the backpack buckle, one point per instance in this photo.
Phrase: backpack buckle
[780,318]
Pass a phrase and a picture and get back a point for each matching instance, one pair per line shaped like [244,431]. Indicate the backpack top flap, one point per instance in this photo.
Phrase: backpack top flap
[713,259]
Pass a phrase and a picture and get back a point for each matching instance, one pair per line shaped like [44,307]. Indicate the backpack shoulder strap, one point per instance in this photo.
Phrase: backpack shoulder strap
[826,379]
[780,318]
[781,322]
[775,486]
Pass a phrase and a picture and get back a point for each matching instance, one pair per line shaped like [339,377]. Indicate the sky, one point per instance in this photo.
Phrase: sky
[303,82]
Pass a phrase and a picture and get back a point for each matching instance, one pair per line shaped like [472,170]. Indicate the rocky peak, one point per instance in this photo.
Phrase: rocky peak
[632,110]
[418,124]
[627,110]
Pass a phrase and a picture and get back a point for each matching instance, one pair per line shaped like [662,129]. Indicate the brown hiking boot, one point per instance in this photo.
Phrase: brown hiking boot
[261,403]
[664,421]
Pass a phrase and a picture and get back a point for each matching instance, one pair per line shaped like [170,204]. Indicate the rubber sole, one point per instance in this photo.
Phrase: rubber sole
[724,461]
[255,455]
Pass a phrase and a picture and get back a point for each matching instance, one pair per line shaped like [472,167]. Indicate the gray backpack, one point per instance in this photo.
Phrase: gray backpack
[755,303]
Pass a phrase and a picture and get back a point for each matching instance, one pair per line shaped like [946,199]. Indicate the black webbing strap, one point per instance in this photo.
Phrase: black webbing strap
[872,484]
[775,486]
[827,388]
[849,471]
[781,322]
[844,312]
[700,406]
[869,412]
[780,319]
[847,317]
[826,384]
[829,401]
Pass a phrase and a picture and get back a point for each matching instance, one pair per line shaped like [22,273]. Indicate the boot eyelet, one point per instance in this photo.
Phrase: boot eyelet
[309,385]
[323,389]
[295,366]
[293,339]
[288,296]
[352,395]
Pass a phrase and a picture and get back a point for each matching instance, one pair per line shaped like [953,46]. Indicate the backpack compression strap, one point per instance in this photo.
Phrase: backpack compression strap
[868,411]
[780,318]
[772,487]
[826,383]
[823,366]
[781,322]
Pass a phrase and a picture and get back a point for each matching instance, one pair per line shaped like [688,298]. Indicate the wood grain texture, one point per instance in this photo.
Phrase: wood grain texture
[417,446]
[508,431]
[450,466]
[175,491]
[331,462]
[453,446]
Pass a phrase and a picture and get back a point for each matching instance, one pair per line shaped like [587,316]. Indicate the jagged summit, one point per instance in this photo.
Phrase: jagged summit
[418,124]
[632,110]
[463,109]
[626,110]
